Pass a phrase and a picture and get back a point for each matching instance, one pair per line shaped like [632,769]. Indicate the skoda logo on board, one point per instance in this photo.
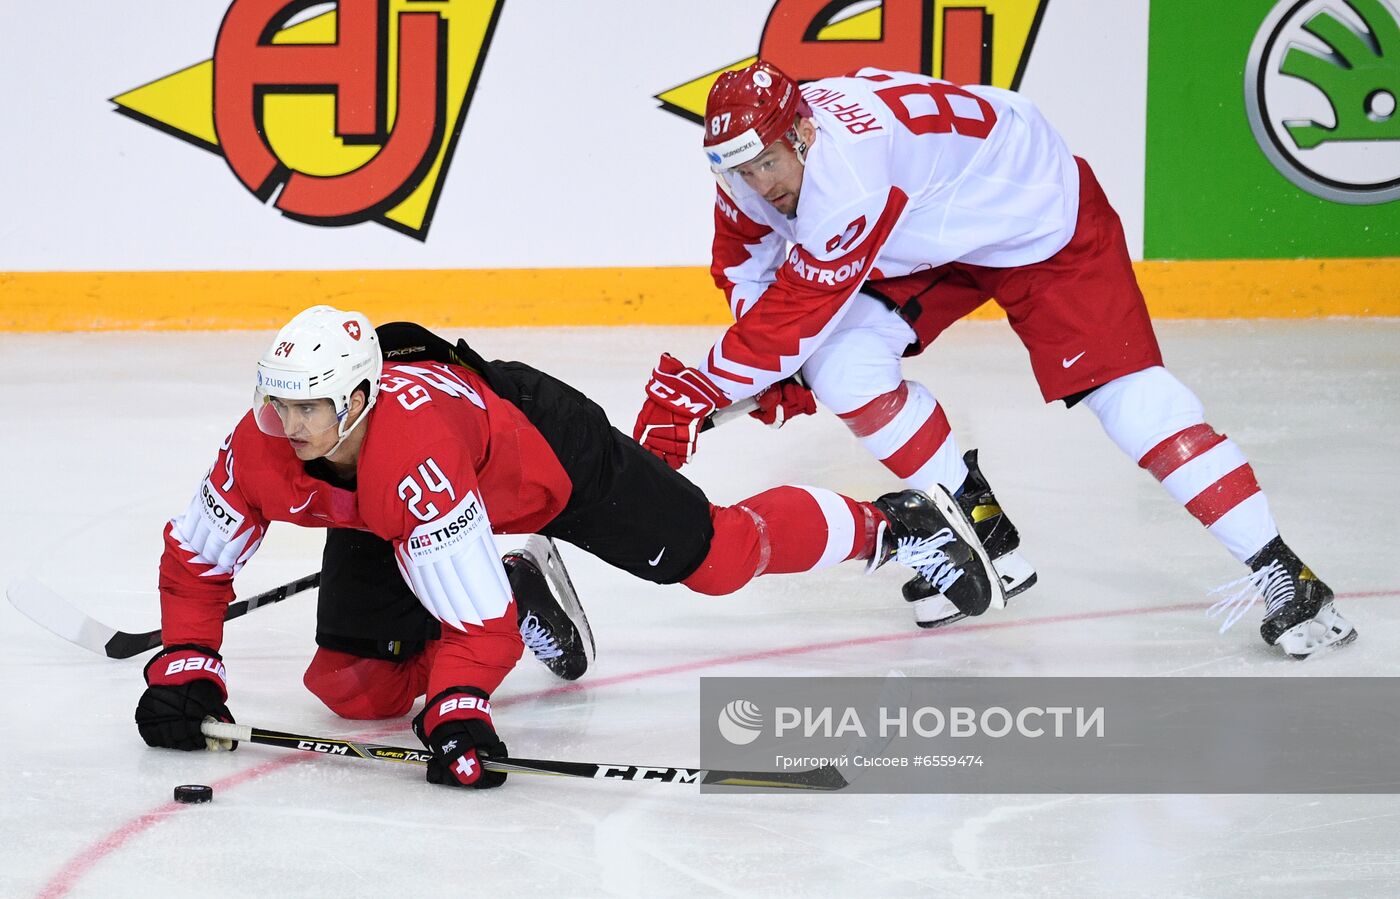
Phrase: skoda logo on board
[1321,86]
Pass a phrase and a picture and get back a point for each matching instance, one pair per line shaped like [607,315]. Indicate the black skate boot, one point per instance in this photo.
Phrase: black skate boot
[928,533]
[999,537]
[1299,615]
[552,622]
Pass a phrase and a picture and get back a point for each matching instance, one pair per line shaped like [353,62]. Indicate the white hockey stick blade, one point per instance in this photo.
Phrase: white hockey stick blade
[54,613]
[735,410]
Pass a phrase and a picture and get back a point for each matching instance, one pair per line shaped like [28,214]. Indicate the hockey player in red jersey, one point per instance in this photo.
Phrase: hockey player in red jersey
[858,217]
[414,463]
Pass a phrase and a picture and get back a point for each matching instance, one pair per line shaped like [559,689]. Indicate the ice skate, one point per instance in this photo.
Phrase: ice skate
[1000,539]
[552,622]
[1299,615]
[929,533]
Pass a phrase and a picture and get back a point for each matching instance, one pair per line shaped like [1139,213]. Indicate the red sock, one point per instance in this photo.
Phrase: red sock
[780,531]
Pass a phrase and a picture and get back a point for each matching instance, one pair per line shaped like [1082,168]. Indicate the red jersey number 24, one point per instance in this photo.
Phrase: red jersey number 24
[413,494]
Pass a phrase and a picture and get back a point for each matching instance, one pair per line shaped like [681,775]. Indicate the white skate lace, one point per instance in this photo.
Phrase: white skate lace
[538,639]
[1273,583]
[922,554]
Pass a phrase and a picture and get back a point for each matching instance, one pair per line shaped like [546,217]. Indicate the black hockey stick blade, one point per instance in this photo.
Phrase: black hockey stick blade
[824,779]
[54,613]
[123,645]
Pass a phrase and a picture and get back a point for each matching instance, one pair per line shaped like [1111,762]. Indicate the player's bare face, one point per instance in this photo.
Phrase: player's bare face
[776,176]
[310,426]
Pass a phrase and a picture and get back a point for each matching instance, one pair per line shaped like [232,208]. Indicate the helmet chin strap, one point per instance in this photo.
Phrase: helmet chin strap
[344,431]
[799,146]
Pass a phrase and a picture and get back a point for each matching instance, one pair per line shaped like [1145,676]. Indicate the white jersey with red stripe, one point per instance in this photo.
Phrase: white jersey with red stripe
[905,173]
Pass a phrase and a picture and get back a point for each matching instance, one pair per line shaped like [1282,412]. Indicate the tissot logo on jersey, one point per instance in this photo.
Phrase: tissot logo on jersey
[963,41]
[346,116]
[223,517]
[447,532]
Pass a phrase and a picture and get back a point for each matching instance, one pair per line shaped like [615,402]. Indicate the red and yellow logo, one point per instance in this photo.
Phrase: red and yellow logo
[964,41]
[346,116]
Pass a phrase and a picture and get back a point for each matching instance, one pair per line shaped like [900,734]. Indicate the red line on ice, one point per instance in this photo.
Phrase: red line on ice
[84,861]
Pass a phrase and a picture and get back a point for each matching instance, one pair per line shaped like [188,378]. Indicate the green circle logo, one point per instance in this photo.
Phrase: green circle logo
[1322,86]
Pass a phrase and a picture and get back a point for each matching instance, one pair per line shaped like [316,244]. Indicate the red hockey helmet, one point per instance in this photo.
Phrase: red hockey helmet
[747,110]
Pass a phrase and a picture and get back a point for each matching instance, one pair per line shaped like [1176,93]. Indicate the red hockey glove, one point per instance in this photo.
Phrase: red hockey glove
[185,685]
[678,399]
[456,726]
[783,400]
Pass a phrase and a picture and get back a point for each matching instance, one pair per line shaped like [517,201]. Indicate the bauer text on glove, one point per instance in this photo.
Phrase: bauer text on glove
[456,726]
[185,684]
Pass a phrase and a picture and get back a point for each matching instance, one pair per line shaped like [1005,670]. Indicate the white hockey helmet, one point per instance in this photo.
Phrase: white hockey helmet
[322,353]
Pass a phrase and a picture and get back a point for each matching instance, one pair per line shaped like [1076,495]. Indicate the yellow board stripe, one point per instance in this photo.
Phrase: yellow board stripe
[172,301]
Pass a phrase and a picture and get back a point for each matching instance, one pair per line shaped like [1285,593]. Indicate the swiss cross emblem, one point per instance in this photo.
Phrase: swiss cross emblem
[353,329]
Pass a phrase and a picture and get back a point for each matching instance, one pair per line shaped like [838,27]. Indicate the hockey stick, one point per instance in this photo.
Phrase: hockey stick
[54,613]
[741,407]
[824,779]
[729,413]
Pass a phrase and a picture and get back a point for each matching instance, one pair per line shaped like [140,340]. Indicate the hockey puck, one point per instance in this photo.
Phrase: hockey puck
[193,793]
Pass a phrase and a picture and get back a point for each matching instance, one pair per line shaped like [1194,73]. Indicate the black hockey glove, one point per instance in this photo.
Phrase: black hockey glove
[185,685]
[456,726]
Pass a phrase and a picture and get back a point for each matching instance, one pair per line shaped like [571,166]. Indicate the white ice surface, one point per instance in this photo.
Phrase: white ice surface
[103,437]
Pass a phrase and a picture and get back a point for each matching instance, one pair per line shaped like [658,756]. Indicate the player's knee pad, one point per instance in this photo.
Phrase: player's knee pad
[854,366]
[738,552]
[1140,410]
[365,689]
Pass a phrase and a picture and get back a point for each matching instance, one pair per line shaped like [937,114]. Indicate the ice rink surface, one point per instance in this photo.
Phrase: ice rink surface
[105,436]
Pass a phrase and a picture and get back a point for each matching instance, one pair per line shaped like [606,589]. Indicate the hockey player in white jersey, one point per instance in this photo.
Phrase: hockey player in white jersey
[857,217]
